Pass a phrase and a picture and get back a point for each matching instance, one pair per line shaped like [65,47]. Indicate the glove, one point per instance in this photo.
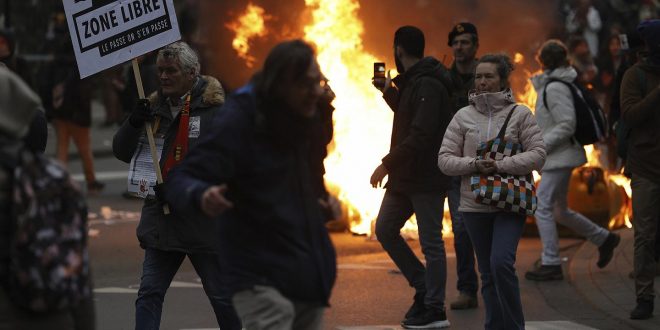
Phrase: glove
[141,113]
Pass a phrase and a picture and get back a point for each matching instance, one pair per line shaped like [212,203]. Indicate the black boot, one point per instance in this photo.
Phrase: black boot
[606,251]
[643,310]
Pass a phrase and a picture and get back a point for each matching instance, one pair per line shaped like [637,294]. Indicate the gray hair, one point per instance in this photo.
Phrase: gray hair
[181,52]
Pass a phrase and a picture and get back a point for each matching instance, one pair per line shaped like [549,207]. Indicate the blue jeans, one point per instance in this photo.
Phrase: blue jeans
[158,270]
[553,208]
[467,276]
[495,237]
[395,210]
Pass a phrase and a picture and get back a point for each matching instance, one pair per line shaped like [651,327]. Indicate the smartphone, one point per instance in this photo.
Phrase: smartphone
[379,70]
[379,75]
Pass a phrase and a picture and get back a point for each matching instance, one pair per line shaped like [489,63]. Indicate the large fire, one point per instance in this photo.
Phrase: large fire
[250,25]
[362,119]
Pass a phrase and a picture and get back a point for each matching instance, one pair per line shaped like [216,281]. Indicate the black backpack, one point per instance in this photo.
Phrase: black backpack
[591,123]
[49,261]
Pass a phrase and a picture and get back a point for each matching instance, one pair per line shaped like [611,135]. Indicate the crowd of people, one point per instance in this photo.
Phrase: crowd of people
[243,195]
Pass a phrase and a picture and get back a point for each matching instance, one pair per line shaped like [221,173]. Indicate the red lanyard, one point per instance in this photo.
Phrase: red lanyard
[180,147]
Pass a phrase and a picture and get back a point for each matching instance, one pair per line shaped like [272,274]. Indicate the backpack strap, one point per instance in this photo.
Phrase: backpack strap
[500,135]
[574,94]
[545,88]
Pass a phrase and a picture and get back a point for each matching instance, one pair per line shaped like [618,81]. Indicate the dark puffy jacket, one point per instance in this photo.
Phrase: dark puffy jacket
[275,233]
[422,111]
[173,231]
[461,86]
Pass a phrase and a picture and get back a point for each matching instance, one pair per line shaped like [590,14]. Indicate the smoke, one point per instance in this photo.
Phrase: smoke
[504,26]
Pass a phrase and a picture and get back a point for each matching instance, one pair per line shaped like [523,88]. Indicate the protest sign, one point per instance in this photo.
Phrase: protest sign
[106,33]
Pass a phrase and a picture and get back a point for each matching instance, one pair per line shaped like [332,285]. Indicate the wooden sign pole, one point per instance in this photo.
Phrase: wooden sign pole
[150,133]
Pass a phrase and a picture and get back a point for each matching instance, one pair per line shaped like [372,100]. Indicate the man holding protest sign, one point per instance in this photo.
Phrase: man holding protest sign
[180,112]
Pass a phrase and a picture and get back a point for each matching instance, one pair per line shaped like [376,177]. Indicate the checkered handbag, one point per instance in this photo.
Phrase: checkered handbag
[515,193]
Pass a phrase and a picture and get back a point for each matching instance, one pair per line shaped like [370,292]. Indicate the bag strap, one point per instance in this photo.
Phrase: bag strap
[500,135]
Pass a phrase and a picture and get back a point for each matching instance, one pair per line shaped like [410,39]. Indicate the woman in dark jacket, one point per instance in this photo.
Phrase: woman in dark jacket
[252,170]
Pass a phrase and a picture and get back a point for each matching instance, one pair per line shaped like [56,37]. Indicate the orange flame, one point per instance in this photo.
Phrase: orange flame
[252,24]
[363,120]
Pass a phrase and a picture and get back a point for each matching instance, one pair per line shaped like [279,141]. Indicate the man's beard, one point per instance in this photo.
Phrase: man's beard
[399,66]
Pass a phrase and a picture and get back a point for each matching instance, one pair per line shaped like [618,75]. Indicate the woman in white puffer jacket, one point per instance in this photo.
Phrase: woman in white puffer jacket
[558,122]
[494,232]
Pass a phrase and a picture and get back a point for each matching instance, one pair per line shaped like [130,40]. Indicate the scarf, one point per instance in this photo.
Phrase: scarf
[180,146]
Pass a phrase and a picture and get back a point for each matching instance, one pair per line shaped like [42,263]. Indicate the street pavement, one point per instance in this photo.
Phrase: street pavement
[369,293]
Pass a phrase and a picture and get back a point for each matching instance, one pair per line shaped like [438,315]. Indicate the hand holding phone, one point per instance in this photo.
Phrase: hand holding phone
[379,79]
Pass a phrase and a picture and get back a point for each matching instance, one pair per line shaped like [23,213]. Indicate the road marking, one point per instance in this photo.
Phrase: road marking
[555,325]
[177,284]
[372,327]
[115,290]
[361,267]
[111,222]
[534,325]
[110,175]
[174,284]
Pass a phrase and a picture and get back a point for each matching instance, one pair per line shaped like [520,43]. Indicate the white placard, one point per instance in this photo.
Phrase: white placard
[106,33]
[141,175]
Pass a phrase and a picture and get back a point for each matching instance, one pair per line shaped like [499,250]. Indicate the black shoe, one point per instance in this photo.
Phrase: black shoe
[430,319]
[545,273]
[606,251]
[643,310]
[417,307]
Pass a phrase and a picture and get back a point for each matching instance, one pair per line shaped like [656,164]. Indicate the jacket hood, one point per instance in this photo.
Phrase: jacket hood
[567,74]
[491,102]
[18,105]
[207,87]
[426,67]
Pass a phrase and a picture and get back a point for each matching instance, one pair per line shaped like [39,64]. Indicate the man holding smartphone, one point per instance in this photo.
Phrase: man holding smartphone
[422,112]
[464,42]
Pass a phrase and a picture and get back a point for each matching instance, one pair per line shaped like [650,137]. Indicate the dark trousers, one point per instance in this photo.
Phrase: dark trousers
[158,270]
[495,237]
[645,201]
[395,210]
[467,275]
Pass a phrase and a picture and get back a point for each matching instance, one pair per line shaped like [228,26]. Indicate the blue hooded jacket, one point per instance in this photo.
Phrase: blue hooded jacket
[275,234]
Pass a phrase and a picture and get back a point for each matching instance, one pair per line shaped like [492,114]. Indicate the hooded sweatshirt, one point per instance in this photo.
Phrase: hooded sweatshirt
[481,121]
[422,111]
[558,121]
[18,104]
[640,107]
